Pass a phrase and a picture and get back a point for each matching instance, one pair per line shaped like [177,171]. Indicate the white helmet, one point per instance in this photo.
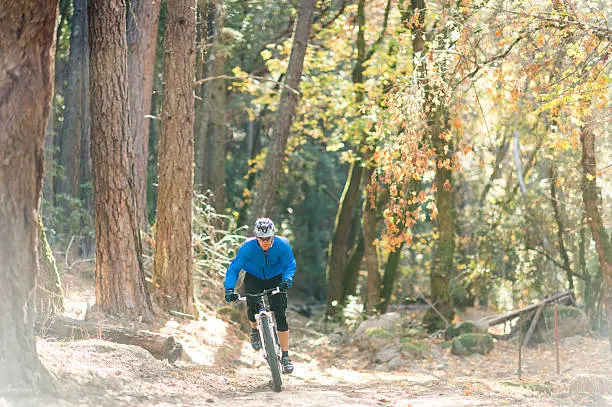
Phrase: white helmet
[264,227]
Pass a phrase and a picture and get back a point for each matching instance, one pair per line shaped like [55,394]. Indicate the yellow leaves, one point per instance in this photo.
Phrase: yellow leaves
[266,54]
[560,144]
[239,73]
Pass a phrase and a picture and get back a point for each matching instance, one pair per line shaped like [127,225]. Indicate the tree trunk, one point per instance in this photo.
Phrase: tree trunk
[49,293]
[216,101]
[254,148]
[162,347]
[337,247]
[119,276]
[201,114]
[27,35]
[86,168]
[56,143]
[412,188]
[351,270]
[442,262]
[391,267]
[141,23]
[371,252]
[263,204]
[554,201]
[75,111]
[173,263]
[212,130]
[603,244]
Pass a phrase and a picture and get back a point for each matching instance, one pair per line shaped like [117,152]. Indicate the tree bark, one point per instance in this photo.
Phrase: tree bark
[27,35]
[263,204]
[173,263]
[603,243]
[119,276]
[141,23]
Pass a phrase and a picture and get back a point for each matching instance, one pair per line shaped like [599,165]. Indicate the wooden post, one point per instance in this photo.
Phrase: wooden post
[520,341]
[534,322]
[557,338]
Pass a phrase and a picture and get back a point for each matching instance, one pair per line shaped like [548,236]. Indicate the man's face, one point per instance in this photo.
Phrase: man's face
[265,242]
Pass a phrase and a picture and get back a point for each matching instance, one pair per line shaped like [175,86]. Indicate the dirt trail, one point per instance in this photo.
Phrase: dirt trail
[99,373]
[219,368]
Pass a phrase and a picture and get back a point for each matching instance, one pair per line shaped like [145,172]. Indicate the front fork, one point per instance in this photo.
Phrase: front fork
[272,325]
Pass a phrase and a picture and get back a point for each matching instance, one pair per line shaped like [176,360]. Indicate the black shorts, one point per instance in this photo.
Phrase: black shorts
[254,285]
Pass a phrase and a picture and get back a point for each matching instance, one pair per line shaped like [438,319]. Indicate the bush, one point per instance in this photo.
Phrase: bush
[471,343]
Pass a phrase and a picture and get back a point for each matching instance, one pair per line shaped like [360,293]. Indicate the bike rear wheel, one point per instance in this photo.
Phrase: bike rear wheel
[272,356]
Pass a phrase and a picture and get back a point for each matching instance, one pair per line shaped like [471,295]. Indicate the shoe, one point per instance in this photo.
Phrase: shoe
[255,340]
[287,365]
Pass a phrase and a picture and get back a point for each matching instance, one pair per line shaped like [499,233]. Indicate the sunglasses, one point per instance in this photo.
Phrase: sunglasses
[264,239]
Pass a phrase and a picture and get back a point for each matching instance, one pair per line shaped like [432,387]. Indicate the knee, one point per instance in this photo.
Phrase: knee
[251,311]
[281,320]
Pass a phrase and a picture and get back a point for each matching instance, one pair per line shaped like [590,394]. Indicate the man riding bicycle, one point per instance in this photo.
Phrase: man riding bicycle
[268,262]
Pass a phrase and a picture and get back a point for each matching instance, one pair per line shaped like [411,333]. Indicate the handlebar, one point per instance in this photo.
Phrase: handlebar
[271,291]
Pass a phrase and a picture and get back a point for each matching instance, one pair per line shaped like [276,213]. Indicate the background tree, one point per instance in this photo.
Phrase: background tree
[26,74]
[173,263]
[141,38]
[603,241]
[264,199]
[119,277]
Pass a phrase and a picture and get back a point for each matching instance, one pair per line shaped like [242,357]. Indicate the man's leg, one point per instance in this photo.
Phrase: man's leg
[253,285]
[278,304]
[283,337]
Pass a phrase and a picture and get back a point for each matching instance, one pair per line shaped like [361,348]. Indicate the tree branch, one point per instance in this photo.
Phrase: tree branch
[600,32]
[243,78]
[489,61]
[381,36]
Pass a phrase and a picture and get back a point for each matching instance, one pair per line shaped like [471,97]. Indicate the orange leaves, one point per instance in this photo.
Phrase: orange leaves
[445,164]
[433,209]
[447,186]
[464,147]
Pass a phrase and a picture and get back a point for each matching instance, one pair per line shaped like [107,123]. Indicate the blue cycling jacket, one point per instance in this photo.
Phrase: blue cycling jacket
[251,258]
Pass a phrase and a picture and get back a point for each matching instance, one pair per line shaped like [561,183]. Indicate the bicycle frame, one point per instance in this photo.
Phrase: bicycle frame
[263,310]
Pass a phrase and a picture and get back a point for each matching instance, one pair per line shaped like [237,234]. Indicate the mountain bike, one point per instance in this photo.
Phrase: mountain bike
[266,325]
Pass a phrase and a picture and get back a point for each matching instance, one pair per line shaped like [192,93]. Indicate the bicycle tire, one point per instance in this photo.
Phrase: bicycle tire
[272,356]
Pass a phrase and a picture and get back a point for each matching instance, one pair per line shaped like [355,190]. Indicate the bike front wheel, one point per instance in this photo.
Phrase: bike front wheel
[272,355]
